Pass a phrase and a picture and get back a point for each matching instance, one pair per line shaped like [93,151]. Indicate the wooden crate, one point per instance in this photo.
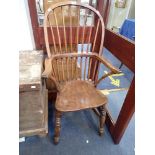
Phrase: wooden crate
[33,95]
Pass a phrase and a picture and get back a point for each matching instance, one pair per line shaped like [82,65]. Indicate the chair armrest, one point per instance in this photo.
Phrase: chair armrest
[113,69]
[47,73]
[48,69]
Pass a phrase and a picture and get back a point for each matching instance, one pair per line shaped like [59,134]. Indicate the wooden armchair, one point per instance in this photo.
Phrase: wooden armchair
[72,27]
[78,93]
[76,88]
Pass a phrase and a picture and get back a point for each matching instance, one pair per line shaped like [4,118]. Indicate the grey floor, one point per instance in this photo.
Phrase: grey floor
[79,133]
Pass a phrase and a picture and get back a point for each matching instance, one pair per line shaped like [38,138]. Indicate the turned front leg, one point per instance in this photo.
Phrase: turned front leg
[57,126]
[102,119]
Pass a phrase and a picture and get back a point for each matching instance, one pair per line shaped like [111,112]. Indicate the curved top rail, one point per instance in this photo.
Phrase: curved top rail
[69,3]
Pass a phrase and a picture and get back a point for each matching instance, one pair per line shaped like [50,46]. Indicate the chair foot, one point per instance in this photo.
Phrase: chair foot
[57,126]
[101,131]
[102,120]
[56,140]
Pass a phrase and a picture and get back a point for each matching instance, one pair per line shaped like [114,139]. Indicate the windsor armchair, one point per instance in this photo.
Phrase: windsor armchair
[76,89]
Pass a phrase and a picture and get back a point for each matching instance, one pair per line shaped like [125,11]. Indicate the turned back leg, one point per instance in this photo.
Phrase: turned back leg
[57,126]
[102,118]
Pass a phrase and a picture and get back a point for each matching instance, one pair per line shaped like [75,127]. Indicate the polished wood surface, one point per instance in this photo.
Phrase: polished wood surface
[77,95]
[121,47]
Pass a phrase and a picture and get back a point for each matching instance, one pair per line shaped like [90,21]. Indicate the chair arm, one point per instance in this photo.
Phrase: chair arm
[48,69]
[113,69]
[100,59]
[47,73]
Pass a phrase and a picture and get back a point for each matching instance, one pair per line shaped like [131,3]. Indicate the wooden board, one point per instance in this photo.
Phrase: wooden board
[30,69]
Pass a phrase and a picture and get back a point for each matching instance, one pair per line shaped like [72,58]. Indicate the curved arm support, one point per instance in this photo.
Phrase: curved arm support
[113,69]
[47,73]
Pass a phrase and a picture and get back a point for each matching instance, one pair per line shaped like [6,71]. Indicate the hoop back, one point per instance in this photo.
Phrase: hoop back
[74,27]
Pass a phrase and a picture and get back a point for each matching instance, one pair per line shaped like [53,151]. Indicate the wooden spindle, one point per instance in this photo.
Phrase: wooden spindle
[63,76]
[53,70]
[76,66]
[85,65]
[96,35]
[67,62]
[81,67]
[46,36]
[85,20]
[95,65]
[70,65]
[98,67]
[90,33]
[53,37]
[89,67]
[57,31]
[73,67]
[70,17]
[103,77]
[63,21]
[58,71]
[78,24]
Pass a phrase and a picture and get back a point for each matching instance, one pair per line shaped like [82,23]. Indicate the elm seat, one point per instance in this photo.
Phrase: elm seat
[76,95]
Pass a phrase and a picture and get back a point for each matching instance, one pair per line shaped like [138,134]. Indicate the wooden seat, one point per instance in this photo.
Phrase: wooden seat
[77,95]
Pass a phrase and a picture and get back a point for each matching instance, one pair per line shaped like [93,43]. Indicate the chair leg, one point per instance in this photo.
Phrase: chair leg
[57,126]
[102,119]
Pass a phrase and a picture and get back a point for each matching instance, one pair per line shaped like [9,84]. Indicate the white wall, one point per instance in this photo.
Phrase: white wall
[26,32]
[15,35]
[16,25]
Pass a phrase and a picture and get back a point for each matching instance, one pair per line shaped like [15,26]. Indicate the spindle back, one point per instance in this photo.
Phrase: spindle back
[80,29]
[64,67]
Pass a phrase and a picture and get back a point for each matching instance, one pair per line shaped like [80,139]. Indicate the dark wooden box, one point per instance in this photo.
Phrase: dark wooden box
[33,95]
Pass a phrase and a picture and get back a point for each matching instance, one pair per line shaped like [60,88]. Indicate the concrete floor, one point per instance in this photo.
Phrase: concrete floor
[79,133]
